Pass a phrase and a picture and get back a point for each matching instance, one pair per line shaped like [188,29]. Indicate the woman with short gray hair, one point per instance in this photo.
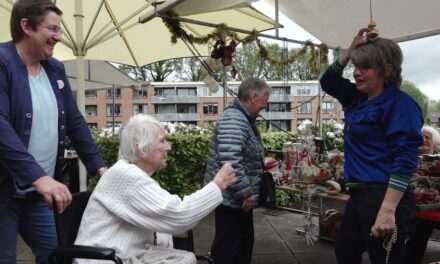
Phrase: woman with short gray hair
[128,206]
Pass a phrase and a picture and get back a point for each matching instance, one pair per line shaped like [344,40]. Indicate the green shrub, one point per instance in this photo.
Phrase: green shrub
[186,161]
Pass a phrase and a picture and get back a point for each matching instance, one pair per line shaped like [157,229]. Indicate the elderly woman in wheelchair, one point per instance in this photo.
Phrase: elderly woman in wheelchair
[128,210]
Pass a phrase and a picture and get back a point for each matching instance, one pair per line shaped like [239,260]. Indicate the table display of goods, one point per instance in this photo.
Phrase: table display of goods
[426,183]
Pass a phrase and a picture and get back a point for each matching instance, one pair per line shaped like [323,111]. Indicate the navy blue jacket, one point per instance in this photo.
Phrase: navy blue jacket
[381,135]
[237,140]
[18,169]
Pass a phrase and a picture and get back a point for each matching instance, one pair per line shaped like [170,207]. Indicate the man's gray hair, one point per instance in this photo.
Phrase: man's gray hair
[250,85]
[435,136]
[137,135]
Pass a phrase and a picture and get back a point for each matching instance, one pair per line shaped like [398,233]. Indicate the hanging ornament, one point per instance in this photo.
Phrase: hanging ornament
[233,72]
[227,54]
[374,32]
[211,83]
[219,49]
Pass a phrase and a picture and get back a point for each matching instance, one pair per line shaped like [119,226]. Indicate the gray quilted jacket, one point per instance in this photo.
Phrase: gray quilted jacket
[236,141]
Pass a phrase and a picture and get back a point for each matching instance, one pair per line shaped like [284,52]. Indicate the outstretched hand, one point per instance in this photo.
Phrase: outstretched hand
[225,176]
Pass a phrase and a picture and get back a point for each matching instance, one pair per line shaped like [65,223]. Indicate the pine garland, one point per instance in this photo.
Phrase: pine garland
[177,32]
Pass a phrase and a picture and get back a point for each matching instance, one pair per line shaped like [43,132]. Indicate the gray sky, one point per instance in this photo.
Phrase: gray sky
[421,63]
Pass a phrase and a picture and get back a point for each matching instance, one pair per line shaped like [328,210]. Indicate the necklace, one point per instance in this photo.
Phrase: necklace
[389,242]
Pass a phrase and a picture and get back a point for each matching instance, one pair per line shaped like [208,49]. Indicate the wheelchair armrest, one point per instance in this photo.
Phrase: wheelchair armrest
[86,252]
[204,258]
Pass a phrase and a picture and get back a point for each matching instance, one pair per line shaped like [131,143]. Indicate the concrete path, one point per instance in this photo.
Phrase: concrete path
[276,242]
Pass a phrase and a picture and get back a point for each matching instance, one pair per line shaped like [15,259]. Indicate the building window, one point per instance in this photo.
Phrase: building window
[140,109]
[90,94]
[117,111]
[91,110]
[92,125]
[186,91]
[117,93]
[210,109]
[304,91]
[110,124]
[140,92]
[186,108]
[279,125]
[279,107]
[304,107]
[165,109]
[165,91]
[327,107]
[281,90]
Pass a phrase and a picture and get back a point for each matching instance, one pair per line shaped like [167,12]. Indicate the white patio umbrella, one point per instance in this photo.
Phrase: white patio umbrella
[110,29]
[336,22]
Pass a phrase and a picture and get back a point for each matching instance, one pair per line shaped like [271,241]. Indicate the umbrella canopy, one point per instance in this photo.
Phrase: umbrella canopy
[336,22]
[110,30]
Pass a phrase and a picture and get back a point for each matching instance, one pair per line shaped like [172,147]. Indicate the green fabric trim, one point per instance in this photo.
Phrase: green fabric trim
[400,177]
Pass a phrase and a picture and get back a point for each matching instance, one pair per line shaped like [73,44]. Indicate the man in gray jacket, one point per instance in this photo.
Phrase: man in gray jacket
[236,139]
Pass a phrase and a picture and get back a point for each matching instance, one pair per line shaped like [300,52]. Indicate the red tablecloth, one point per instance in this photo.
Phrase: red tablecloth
[428,215]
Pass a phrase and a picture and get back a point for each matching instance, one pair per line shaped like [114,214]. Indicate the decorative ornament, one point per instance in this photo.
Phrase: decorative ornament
[218,50]
[374,32]
[310,229]
[227,53]
[233,72]
[218,35]
[211,83]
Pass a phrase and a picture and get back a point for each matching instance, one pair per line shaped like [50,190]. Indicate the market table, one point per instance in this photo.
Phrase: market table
[428,215]
[339,198]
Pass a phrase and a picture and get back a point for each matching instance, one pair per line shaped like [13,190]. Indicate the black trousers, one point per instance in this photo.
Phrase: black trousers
[234,236]
[359,216]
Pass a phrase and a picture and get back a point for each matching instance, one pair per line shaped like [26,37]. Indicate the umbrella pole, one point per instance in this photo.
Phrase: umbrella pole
[80,100]
[80,94]
[225,89]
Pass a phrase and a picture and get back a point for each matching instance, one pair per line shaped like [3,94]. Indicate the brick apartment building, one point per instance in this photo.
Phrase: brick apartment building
[190,102]
[193,103]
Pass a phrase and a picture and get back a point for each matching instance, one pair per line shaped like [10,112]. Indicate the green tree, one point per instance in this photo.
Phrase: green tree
[248,62]
[421,99]
[156,71]
[191,70]
[434,106]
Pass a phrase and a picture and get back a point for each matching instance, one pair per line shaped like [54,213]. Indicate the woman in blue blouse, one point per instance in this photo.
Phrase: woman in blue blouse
[381,140]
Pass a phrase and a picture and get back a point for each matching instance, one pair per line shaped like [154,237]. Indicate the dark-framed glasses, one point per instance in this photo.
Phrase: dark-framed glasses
[363,67]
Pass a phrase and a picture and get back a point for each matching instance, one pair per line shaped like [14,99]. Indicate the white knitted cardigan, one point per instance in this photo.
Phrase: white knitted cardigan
[127,206]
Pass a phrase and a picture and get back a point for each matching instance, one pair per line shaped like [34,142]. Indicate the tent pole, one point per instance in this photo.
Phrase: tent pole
[319,95]
[80,96]
[277,19]
[225,89]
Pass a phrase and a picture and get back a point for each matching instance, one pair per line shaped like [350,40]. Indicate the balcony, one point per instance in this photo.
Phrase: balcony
[175,99]
[279,98]
[277,115]
[177,117]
